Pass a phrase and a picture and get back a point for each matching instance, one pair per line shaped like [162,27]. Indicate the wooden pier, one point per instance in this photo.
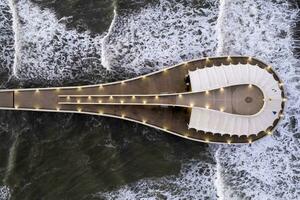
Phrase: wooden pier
[162,100]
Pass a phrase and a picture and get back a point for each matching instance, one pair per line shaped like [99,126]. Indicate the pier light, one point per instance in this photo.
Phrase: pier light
[228,141]
[165,128]
[100,112]
[207,59]
[207,92]
[79,88]
[269,132]
[68,97]
[228,58]
[122,82]
[37,90]
[123,115]
[133,97]
[144,121]
[57,89]
[222,89]
[101,86]
[156,97]
[122,101]
[57,108]
[111,97]
[99,101]
[222,109]
[249,59]
[281,84]
[78,100]
[284,99]
[249,140]
[165,69]
[250,85]
[206,140]
[281,115]
[144,102]
[185,63]
[79,109]
[16,91]
[37,107]
[89,97]
[207,106]
[191,105]
[16,106]
[144,77]
[180,95]
[269,67]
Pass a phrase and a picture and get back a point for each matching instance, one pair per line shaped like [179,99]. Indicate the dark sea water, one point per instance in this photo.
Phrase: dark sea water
[66,156]
[72,156]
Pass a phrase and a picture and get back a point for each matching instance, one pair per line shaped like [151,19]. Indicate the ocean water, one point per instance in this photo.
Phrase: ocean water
[7,41]
[84,157]
[269,169]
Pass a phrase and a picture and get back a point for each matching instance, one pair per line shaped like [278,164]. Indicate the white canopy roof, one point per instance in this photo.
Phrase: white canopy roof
[228,75]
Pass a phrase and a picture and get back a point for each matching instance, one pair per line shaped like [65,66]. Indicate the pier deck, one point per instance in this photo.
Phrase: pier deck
[161,99]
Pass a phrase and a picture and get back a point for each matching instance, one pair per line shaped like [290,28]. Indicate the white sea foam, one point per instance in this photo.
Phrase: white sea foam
[104,55]
[6,38]
[161,35]
[15,27]
[51,52]
[219,27]
[151,38]
[269,169]
[194,182]
[4,193]
[166,34]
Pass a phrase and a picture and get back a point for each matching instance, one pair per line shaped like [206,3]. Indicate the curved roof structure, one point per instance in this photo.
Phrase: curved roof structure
[235,99]
[234,124]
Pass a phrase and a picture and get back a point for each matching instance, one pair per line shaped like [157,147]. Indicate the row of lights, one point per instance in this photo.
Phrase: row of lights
[144,76]
[207,106]
[36,107]
[156,97]
[144,122]
[112,97]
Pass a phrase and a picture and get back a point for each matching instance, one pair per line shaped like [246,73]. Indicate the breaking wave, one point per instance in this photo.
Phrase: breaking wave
[157,36]
[6,38]
[195,180]
[164,34]
[4,193]
[161,35]
[269,168]
[49,51]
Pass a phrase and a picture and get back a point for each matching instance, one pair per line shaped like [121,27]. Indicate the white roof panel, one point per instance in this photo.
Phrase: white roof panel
[229,75]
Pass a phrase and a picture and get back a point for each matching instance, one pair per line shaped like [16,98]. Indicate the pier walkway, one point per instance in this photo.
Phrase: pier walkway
[167,100]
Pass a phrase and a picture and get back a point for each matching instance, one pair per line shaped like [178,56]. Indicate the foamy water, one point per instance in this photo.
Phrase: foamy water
[4,193]
[165,34]
[269,169]
[194,181]
[161,35]
[6,38]
[51,52]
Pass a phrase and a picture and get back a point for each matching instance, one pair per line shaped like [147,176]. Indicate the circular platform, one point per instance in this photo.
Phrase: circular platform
[247,100]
